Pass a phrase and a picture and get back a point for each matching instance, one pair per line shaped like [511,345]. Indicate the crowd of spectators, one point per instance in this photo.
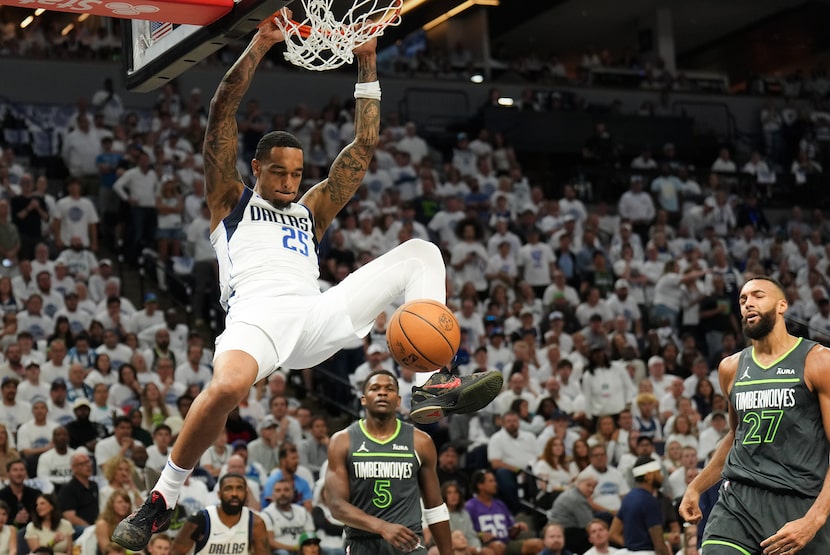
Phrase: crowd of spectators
[90,41]
[812,84]
[608,323]
[799,176]
[797,136]
[794,137]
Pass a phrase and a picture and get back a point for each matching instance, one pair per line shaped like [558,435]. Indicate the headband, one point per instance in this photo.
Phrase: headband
[644,469]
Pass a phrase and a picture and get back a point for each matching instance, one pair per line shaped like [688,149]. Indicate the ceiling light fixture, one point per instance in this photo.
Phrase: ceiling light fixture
[39,12]
[457,10]
[477,78]
[68,29]
[505,101]
[83,17]
[26,22]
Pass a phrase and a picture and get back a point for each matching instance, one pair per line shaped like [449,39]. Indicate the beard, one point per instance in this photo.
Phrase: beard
[279,204]
[231,509]
[765,324]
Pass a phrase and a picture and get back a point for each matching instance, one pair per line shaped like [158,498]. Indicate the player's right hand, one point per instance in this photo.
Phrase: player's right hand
[401,537]
[689,508]
[269,28]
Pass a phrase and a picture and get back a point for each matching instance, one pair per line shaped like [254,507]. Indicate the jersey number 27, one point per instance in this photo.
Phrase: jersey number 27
[762,422]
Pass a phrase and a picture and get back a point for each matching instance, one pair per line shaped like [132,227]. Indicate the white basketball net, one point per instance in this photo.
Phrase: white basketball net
[321,41]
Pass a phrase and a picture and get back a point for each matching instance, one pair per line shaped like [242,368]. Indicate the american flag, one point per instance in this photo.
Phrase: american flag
[159,29]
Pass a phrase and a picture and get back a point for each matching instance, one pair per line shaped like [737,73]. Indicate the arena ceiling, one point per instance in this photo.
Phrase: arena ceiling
[569,27]
[578,24]
[728,35]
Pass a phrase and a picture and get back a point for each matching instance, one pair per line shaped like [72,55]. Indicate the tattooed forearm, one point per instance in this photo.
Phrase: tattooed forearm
[237,79]
[367,122]
[220,146]
[367,69]
[367,111]
[348,169]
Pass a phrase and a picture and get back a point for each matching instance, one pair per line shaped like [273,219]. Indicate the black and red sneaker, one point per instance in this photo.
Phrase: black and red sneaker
[152,517]
[445,393]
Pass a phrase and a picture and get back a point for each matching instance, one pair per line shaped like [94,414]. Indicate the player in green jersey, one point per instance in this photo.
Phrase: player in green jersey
[378,469]
[775,498]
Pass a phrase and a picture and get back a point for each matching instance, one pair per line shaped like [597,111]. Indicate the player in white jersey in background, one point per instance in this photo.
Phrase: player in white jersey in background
[266,246]
[229,527]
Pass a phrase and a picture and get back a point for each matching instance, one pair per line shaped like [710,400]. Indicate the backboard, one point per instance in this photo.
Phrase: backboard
[157,52]
[195,12]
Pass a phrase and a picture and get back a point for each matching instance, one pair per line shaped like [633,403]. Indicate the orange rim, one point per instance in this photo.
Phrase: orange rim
[394,8]
[303,30]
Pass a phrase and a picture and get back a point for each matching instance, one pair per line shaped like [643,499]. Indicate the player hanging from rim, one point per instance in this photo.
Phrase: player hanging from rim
[775,497]
[266,244]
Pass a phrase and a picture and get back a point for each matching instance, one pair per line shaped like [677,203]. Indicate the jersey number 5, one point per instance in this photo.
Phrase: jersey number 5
[383,497]
[756,420]
[295,240]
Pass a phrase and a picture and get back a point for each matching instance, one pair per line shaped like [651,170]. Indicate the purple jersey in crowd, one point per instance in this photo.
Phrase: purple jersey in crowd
[495,519]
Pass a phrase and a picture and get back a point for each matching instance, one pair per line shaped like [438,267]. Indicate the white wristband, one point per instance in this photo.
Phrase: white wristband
[369,90]
[437,514]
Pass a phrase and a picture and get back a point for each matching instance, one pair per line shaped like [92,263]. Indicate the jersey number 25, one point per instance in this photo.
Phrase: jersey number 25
[295,240]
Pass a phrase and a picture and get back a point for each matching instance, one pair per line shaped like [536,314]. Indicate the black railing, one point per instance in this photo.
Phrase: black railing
[326,381]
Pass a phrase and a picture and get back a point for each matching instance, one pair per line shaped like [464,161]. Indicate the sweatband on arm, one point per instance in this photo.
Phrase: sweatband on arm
[370,90]
[437,514]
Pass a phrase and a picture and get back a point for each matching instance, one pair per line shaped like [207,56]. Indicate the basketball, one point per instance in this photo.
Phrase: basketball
[423,335]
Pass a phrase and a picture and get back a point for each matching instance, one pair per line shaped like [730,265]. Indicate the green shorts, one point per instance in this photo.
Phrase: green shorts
[745,515]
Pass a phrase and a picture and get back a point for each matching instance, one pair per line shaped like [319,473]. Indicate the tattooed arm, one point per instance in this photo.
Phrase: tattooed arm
[223,184]
[329,196]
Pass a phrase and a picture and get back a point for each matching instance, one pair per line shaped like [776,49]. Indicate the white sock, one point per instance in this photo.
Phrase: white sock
[171,481]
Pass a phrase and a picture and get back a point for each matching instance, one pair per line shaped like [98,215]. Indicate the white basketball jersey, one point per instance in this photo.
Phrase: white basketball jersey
[265,251]
[218,539]
[287,527]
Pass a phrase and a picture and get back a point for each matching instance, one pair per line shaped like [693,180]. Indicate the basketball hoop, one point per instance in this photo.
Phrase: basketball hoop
[321,41]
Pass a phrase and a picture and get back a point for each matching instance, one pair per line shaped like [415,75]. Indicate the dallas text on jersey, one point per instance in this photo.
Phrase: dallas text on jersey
[259,213]
[235,548]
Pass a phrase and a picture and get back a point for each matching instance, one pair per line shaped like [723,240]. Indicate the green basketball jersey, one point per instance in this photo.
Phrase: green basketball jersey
[780,442]
[383,477]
